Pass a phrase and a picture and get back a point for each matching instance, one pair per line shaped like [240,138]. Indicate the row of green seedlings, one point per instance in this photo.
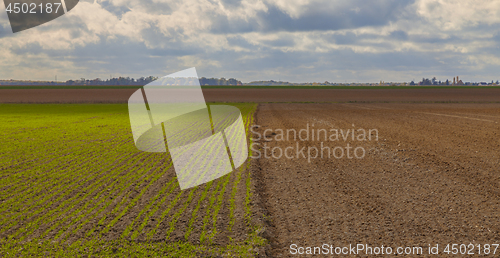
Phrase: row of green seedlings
[96,201]
[194,214]
[99,212]
[119,248]
[244,113]
[128,229]
[174,218]
[68,203]
[189,198]
[232,205]
[177,215]
[213,206]
[248,115]
[248,183]
[171,186]
[49,175]
[208,236]
[131,204]
[47,146]
[53,178]
[71,172]
[203,237]
[41,141]
[253,237]
[39,194]
[56,216]
[19,142]
[148,207]
[55,194]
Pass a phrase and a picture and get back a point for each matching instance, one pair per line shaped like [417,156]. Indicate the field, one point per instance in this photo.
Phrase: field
[114,94]
[73,183]
[432,177]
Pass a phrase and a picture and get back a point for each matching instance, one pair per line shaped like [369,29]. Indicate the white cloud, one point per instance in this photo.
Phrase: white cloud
[452,15]
[241,38]
[292,7]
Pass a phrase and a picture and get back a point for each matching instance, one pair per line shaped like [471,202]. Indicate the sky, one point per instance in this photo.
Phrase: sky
[288,40]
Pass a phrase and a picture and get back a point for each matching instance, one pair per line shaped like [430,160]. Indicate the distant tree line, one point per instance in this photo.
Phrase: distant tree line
[282,83]
[118,81]
[113,81]
[231,82]
[434,81]
[221,81]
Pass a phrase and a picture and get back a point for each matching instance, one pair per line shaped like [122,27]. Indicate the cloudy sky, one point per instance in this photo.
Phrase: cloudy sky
[290,40]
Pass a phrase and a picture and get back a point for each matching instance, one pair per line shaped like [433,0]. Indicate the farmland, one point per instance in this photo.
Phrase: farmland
[431,177]
[257,94]
[72,182]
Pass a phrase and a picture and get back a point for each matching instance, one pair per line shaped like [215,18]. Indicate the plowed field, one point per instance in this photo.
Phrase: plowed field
[432,177]
[420,171]
[107,95]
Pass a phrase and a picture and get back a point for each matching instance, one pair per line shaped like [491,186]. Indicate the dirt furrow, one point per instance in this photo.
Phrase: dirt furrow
[427,180]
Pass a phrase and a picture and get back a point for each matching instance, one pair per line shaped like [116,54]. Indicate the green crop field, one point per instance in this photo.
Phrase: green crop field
[73,183]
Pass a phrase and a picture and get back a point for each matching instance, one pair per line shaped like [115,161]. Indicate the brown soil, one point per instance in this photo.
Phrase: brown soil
[65,95]
[348,95]
[259,95]
[431,178]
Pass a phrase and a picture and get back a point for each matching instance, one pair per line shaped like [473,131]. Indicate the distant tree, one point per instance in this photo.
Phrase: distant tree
[425,81]
[221,81]
[232,81]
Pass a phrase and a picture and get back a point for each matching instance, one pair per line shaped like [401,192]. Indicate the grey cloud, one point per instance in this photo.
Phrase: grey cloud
[496,37]
[5,31]
[345,39]
[344,59]
[222,25]
[231,4]
[119,55]
[293,66]
[116,10]
[31,48]
[431,39]
[350,60]
[399,35]
[281,42]
[156,7]
[237,40]
[356,14]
